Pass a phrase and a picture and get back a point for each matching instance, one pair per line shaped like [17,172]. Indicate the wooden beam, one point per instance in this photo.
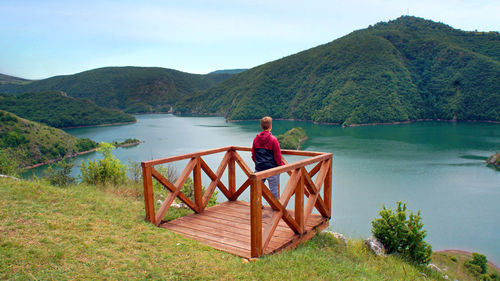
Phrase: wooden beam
[299,203]
[171,187]
[231,174]
[242,164]
[147,182]
[213,177]
[184,156]
[328,190]
[256,218]
[171,196]
[211,188]
[242,188]
[275,204]
[198,191]
[315,170]
[282,169]
[318,183]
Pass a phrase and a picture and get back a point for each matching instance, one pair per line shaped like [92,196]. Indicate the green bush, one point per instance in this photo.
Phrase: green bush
[477,265]
[108,170]
[402,234]
[60,173]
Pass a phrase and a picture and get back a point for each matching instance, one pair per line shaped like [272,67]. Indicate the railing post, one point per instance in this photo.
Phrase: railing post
[198,192]
[147,181]
[328,189]
[299,203]
[256,217]
[231,175]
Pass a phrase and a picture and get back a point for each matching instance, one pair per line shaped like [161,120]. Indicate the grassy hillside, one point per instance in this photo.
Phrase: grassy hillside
[55,109]
[133,89]
[101,234]
[406,69]
[31,143]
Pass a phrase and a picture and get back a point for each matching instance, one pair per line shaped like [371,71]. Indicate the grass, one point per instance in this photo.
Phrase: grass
[453,262]
[84,232]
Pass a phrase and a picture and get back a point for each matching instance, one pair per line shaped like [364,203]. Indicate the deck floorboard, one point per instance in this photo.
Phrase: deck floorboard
[226,227]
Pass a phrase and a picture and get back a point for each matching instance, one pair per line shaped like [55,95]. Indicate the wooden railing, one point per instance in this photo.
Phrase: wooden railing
[300,184]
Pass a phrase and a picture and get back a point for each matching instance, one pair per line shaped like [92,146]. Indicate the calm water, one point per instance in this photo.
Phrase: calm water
[435,167]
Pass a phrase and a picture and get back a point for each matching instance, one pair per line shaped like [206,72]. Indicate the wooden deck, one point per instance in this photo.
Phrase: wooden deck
[226,227]
[245,229]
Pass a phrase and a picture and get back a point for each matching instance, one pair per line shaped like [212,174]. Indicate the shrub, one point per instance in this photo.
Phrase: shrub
[477,265]
[104,171]
[402,234]
[60,173]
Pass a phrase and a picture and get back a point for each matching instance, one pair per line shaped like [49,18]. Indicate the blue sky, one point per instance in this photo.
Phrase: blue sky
[40,39]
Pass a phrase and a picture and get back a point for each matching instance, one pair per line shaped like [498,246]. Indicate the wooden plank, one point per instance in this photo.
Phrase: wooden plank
[198,191]
[231,174]
[171,196]
[256,218]
[213,177]
[183,156]
[211,188]
[148,194]
[224,230]
[282,169]
[301,239]
[171,187]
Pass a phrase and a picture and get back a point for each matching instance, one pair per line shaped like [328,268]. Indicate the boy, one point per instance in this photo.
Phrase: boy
[266,153]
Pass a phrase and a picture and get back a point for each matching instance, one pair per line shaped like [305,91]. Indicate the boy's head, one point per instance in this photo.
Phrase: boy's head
[266,123]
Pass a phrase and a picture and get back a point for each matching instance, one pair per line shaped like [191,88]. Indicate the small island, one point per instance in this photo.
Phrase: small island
[126,143]
[494,161]
[292,139]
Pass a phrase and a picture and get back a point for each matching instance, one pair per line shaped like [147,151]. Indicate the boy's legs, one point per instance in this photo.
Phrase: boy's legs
[274,181]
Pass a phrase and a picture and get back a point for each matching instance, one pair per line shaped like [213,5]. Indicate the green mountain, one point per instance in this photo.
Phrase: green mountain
[406,69]
[31,143]
[58,110]
[132,89]
[7,79]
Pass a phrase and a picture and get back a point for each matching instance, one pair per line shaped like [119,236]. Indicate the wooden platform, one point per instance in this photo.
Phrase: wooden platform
[226,227]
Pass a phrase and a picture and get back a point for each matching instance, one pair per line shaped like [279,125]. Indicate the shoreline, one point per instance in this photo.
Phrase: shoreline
[73,155]
[100,125]
[352,125]
[466,253]
[50,161]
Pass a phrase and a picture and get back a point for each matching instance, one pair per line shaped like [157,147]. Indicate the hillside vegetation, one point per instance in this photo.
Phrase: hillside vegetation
[132,89]
[292,139]
[406,69]
[7,79]
[29,143]
[58,110]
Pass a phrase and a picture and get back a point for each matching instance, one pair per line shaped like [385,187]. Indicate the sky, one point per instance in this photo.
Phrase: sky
[41,39]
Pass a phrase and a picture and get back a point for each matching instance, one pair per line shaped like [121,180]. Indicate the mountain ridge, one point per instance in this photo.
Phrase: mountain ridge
[406,69]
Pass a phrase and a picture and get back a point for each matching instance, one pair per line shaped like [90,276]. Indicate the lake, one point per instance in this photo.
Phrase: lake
[435,167]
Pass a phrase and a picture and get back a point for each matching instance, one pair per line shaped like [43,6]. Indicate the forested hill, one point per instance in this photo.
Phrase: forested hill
[58,110]
[405,69]
[7,79]
[27,143]
[132,89]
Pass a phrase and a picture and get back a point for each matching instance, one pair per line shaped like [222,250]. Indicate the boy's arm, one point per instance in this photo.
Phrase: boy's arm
[277,153]
[253,150]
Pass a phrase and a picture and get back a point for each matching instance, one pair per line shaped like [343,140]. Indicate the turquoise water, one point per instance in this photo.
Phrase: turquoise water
[437,168]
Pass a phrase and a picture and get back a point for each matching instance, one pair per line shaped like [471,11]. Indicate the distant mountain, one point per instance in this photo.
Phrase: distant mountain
[31,143]
[229,71]
[405,69]
[6,79]
[55,109]
[132,89]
